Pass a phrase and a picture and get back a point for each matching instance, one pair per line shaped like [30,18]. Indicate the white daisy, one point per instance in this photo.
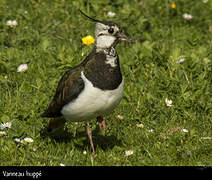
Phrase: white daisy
[187,16]
[12,23]
[84,152]
[6,125]
[181,60]
[140,125]
[185,130]
[150,130]
[61,164]
[3,133]
[22,68]
[206,137]
[204,1]
[119,117]
[111,14]
[28,140]
[18,140]
[128,152]
[168,102]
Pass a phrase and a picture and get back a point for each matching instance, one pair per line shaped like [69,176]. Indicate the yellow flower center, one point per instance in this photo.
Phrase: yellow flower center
[140,125]
[22,69]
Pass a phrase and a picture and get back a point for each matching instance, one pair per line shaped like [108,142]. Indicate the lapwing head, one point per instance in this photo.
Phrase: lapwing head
[108,34]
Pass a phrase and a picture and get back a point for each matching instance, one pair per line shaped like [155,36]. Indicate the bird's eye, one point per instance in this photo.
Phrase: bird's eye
[111,30]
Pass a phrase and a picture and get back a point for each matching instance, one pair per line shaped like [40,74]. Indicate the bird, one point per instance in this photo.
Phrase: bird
[93,88]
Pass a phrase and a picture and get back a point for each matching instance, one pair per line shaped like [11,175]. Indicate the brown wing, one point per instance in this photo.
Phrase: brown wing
[69,87]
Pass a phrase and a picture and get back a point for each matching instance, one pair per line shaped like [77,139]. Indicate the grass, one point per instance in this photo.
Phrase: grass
[48,38]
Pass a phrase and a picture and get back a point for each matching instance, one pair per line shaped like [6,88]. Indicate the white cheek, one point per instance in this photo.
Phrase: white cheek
[104,41]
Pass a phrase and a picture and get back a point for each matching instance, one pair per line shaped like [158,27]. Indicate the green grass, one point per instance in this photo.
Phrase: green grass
[48,38]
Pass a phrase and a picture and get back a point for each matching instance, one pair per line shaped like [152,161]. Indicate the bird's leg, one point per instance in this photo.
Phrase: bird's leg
[101,122]
[90,138]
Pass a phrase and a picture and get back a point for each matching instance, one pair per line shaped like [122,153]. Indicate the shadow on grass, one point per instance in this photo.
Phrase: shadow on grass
[81,141]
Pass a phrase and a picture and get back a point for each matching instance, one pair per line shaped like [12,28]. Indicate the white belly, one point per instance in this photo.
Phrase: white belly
[92,102]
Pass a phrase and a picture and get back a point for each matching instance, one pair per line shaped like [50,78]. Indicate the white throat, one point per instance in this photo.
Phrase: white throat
[104,41]
[102,38]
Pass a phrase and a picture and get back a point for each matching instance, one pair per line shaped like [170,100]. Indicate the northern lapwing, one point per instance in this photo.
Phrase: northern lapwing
[92,89]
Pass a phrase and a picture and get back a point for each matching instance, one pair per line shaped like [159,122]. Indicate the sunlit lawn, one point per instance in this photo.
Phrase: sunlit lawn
[172,58]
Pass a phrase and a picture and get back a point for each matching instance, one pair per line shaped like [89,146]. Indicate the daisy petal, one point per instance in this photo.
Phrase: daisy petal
[5,125]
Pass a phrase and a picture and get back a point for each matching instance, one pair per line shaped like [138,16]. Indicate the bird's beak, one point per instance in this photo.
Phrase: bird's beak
[123,37]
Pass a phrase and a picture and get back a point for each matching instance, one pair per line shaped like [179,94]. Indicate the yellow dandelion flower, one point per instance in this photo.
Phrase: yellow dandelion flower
[88,40]
[173,5]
